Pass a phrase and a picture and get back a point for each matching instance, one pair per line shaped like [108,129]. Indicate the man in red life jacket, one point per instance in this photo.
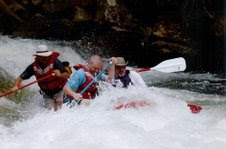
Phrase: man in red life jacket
[83,76]
[47,63]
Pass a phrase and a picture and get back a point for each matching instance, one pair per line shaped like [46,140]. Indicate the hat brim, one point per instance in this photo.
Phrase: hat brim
[46,54]
[124,64]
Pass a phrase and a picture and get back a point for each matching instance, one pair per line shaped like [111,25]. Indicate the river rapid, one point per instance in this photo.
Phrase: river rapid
[167,123]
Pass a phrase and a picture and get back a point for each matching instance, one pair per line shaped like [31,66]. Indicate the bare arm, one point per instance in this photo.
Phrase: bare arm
[68,91]
[64,75]
[60,71]
[111,73]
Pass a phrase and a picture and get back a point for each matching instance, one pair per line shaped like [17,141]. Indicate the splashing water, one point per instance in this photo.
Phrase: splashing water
[167,123]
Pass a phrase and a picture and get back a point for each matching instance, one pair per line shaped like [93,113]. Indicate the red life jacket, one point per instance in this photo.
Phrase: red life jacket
[90,93]
[51,83]
[81,66]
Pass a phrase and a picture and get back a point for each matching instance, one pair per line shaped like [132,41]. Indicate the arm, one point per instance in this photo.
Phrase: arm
[60,70]
[28,72]
[17,84]
[68,91]
[111,73]
[77,79]
[137,79]
[64,75]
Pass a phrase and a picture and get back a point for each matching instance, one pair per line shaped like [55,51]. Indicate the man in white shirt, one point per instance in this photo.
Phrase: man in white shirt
[127,77]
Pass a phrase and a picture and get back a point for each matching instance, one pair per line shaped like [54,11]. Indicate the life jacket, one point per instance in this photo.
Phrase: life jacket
[126,80]
[90,93]
[52,84]
[81,66]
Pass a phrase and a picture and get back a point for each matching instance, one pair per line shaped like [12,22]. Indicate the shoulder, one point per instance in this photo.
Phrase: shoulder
[57,61]
[78,77]
[134,73]
[78,74]
[136,78]
[30,67]
[57,64]
[80,66]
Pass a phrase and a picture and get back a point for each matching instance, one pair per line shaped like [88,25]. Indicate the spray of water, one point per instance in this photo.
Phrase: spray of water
[165,124]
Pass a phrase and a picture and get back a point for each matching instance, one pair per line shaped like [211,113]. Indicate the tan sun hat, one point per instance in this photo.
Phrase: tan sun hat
[121,61]
[43,50]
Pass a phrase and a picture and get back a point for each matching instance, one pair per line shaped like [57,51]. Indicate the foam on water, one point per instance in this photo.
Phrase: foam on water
[167,123]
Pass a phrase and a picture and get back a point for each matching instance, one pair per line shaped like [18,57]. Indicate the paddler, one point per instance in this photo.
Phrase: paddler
[46,63]
[83,76]
[126,77]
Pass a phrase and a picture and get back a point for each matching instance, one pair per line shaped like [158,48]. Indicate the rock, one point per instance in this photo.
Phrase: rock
[84,3]
[118,15]
[36,2]
[111,2]
[6,9]
[15,7]
[81,15]
[56,6]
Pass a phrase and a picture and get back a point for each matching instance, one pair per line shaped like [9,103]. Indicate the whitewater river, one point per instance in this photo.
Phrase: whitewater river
[166,124]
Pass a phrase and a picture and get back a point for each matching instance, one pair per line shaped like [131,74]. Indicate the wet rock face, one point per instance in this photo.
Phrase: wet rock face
[53,6]
[145,32]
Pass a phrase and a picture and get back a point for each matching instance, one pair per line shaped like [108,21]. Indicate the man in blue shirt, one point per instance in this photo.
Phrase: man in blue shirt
[83,76]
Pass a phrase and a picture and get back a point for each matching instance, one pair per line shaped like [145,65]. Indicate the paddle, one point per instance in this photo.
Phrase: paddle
[73,102]
[167,66]
[20,88]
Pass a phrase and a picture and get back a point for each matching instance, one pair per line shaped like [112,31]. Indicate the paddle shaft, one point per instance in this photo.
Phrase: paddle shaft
[20,88]
[143,69]
[95,79]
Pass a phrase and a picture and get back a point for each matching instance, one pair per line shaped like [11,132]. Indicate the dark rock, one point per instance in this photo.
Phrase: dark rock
[144,32]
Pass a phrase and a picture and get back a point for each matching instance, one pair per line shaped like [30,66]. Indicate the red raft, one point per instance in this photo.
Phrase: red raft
[132,104]
[136,104]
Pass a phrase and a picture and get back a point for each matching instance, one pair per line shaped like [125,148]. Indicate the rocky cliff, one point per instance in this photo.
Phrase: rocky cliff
[144,31]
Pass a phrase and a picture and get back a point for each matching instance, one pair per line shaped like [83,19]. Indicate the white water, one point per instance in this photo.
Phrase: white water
[166,124]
